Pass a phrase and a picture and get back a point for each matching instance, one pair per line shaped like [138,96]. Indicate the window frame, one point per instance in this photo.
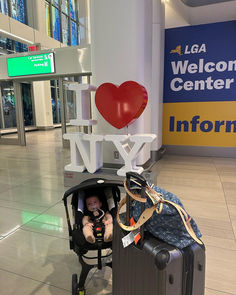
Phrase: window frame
[60,26]
[67,16]
[13,47]
[9,8]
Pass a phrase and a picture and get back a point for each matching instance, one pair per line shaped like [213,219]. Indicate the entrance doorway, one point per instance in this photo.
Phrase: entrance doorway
[28,104]
[7,105]
[56,103]
[44,65]
[8,108]
[70,101]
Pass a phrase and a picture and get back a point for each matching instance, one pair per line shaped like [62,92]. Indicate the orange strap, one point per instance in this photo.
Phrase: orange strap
[137,237]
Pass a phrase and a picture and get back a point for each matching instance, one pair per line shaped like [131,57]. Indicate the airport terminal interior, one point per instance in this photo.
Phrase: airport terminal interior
[34,245]
[35,113]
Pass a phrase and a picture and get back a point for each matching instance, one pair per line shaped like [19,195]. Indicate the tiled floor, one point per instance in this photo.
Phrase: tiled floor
[34,249]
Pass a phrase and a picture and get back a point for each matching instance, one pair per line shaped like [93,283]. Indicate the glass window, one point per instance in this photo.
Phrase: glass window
[27,104]
[20,47]
[71,112]
[8,104]
[56,2]
[65,30]
[9,45]
[74,33]
[59,110]
[4,7]
[55,24]
[18,10]
[56,106]
[72,9]
[62,21]
[82,29]
[1,119]
[64,6]
[6,45]
[47,14]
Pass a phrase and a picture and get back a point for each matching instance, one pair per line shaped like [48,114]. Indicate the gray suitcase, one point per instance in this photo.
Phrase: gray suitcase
[156,268]
[153,267]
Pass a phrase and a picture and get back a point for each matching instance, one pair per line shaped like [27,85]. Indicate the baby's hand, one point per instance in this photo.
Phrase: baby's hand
[106,222]
[90,224]
[96,213]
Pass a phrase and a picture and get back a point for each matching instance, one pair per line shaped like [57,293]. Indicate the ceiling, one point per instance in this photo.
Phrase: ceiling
[195,12]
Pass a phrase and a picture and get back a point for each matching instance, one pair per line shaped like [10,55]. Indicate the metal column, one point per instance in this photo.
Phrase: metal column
[19,114]
[65,143]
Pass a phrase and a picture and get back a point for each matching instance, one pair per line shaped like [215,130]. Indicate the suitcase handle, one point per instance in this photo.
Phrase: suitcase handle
[141,180]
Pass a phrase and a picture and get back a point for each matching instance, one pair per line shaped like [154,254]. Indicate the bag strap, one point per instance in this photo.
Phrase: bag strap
[156,199]
[185,221]
[147,214]
[136,197]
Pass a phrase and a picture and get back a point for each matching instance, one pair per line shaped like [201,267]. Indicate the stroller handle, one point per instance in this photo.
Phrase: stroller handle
[85,185]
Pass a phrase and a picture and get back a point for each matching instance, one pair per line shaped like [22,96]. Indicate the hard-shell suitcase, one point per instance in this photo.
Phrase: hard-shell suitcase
[156,268]
[153,267]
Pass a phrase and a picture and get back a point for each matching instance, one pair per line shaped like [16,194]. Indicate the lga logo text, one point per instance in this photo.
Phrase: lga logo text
[189,49]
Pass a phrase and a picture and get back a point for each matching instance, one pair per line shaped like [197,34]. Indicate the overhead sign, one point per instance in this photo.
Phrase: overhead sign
[200,85]
[31,65]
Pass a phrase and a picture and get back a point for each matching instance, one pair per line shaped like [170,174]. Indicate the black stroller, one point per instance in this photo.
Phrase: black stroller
[109,193]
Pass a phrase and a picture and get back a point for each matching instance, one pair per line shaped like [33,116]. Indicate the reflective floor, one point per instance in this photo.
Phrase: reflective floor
[34,250]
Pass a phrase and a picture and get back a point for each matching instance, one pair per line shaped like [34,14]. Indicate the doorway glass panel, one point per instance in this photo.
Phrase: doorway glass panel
[1,116]
[27,104]
[56,104]
[8,105]
[71,111]
[59,109]
[8,110]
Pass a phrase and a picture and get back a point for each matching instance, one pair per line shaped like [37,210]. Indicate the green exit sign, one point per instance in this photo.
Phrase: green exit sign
[31,65]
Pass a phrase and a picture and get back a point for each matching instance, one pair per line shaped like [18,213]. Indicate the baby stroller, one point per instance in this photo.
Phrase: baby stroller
[109,193]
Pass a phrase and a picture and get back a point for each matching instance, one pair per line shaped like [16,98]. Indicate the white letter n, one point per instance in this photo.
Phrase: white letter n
[86,152]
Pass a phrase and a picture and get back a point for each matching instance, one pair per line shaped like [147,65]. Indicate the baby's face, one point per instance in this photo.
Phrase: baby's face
[93,203]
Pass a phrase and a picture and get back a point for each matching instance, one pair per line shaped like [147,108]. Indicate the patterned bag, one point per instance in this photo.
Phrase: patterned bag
[164,215]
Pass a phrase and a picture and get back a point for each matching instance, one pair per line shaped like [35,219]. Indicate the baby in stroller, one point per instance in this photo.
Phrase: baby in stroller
[97,222]
[85,235]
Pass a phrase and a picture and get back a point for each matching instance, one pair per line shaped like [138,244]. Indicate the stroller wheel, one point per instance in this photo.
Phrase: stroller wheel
[74,284]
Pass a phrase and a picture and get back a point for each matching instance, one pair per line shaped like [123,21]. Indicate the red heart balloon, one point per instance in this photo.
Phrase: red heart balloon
[121,105]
